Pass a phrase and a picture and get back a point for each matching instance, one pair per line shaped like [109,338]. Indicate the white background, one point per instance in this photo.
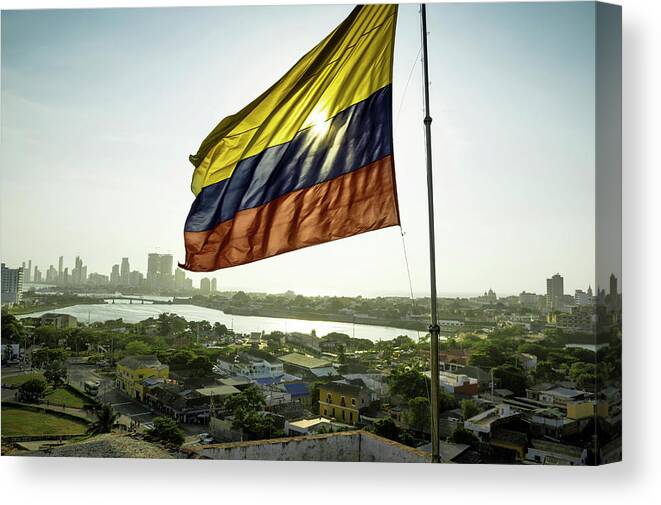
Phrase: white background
[35,480]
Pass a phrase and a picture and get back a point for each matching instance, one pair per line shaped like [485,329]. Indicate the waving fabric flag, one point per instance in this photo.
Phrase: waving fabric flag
[307,162]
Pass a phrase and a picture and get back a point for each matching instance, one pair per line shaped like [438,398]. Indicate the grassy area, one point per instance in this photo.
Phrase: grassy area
[63,396]
[17,380]
[18,422]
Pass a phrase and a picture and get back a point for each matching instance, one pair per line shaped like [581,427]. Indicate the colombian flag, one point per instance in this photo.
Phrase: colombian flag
[308,161]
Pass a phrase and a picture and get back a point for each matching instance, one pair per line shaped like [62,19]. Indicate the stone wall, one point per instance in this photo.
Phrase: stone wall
[343,446]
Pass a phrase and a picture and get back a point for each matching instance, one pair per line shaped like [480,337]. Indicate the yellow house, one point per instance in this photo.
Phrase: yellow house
[580,409]
[342,401]
[136,373]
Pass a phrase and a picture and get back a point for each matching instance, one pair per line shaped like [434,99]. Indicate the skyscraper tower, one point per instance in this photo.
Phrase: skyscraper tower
[613,298]
[554,292]
[125,272]
[60,269]
[114,276]
[159,271]
[179,279]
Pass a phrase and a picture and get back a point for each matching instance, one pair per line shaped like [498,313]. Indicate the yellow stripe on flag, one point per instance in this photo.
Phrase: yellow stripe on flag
[348,66]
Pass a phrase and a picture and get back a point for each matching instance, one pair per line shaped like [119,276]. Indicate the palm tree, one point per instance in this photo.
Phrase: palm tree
[106,419]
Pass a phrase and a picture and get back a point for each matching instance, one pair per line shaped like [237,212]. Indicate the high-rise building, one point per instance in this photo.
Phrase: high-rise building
[79,273]
[554,292]
[114,276]
[214,285]
[136,279]
[528,299]
[179,279]
[37,275]
[97,280]
[27,274]
[205,285]
[125,272]
[159,271]
[11,285]
[60,269]
[582,298]
[51,275]
[613,297]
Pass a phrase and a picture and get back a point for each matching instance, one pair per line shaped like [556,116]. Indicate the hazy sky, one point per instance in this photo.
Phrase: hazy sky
[101,108]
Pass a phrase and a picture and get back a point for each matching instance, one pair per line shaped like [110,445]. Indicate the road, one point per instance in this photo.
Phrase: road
[121,403]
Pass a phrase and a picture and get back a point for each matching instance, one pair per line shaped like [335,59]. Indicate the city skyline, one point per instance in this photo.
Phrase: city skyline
[539,99]
[184,280]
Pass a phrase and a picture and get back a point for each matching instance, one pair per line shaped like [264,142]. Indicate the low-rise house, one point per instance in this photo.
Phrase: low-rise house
[508,445]
[342,401]
[188,405]
[552,422]
[552,394]
[457,384]
[546,452]
[449,421]
[333,342]
[59,321]
[10,352]
[259,367]
[313,425]
[448,452]
[374,381]
[303,340]
[455,356]
[133,370]
[299,392]
[273,395]
[308,365]
[475,372]
[483,424]
[527,361]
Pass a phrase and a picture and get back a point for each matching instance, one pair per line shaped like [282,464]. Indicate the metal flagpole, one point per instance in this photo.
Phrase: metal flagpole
[434,329]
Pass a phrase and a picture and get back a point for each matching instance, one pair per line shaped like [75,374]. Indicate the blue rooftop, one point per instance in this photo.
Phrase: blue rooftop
[297,389]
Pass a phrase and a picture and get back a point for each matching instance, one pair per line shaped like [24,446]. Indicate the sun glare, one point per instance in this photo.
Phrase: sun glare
[319,123]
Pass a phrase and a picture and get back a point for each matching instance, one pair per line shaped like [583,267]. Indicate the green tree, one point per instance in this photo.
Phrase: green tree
[137,348]
[584,374]
[488,354]
[463,436]
[250,399]
[43,357]
[32,390]
[219,330]
[446,401]
[240,298]
[55,373]
[256,425]
[407,382]
[167,430]
[12,331]
[341,354]
[180,359]
[469,409]
[403,342]
[511,378]
[544,372]
[200,366]
[417,416]
[106,419]
[386,427]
